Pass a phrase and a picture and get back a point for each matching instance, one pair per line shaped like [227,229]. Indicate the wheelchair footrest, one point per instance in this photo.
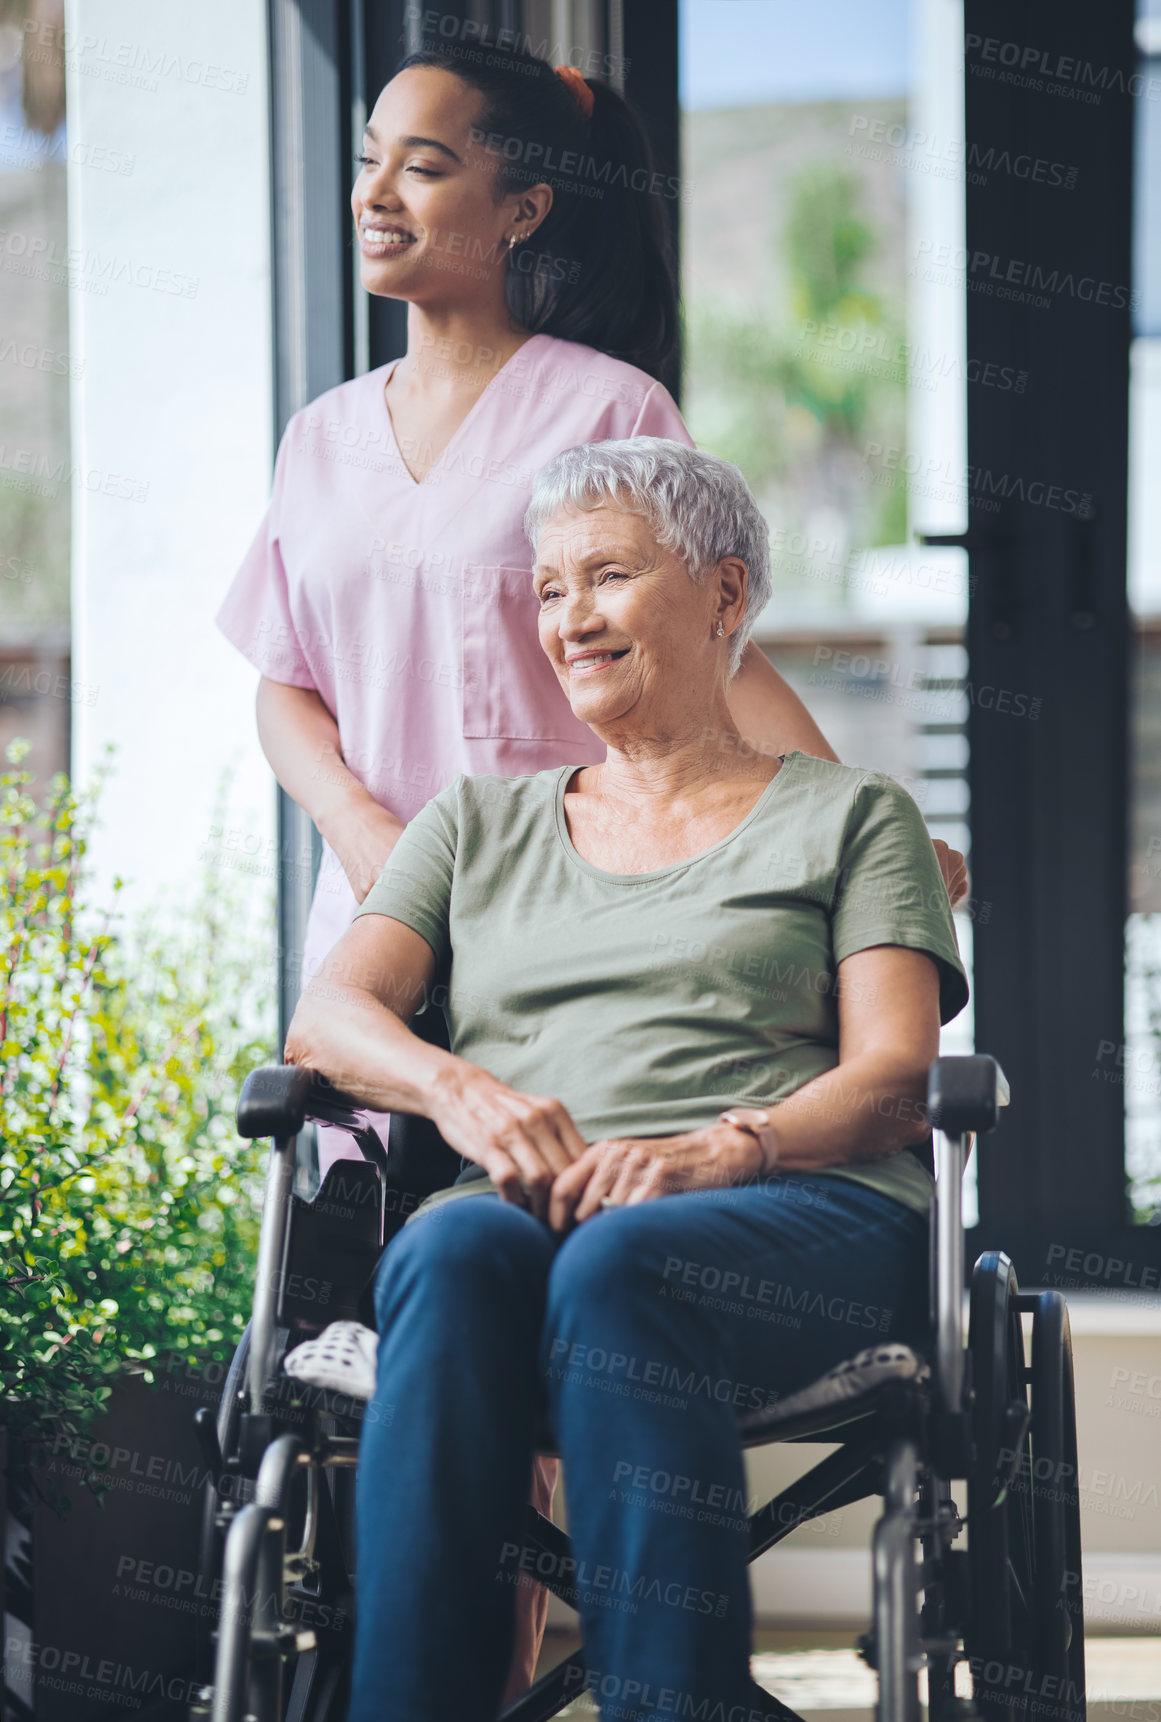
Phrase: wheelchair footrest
[840,1389]
[342,1358]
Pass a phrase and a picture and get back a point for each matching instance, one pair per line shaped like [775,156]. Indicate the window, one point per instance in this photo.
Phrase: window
[1133,1064]
[822,162]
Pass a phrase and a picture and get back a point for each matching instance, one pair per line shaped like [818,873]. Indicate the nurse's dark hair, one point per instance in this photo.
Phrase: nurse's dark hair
[599,268]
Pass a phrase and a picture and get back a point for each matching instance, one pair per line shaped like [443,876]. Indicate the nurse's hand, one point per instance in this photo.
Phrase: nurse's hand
[954,869]
[621,1170]
[362,835]
[523,1141]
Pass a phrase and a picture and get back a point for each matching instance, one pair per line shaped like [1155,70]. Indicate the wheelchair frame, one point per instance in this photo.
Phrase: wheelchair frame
[1011,1605]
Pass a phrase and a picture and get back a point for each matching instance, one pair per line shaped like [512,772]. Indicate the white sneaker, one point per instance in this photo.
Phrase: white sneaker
[342,1357]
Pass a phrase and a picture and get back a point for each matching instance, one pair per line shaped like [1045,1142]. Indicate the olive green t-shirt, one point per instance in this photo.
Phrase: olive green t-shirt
[648,1002]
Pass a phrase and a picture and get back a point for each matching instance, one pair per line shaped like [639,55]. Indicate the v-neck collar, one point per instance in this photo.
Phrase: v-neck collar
[389,371]
[565,776]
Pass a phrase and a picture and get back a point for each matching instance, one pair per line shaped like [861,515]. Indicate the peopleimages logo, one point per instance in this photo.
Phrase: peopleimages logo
[1091,1265]
[1034,63]
[985,268]
[85,267]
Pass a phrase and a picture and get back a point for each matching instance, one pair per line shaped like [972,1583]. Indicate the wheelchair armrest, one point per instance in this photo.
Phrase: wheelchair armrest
[273,1101]
[964,1095]
[278,1099]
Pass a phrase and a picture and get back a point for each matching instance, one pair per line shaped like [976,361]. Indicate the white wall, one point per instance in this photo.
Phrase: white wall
[171,417]
[937,301]
[1144,468]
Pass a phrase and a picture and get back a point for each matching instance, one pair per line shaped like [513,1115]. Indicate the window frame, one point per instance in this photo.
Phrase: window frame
[1048,618]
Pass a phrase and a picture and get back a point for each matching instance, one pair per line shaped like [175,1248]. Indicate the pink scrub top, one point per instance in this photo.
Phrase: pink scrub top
[409,607]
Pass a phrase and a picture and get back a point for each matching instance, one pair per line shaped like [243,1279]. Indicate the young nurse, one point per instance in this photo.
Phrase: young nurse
[387,599]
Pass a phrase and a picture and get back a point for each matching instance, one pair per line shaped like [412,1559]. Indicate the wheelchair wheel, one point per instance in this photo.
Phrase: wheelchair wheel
[283,1640]
[210,1546]
[1001,1537]
[1056,1506]
[1025,1636]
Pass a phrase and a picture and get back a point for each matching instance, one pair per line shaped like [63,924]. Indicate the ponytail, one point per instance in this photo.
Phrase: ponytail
[599,269]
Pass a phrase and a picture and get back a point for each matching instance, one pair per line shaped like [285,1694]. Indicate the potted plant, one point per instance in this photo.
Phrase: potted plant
[128,1220]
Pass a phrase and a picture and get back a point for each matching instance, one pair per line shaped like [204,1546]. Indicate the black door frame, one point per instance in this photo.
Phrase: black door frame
[1047,272]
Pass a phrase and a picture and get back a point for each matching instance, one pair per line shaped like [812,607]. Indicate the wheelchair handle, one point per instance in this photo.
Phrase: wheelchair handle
[276,1101]
[947,1224]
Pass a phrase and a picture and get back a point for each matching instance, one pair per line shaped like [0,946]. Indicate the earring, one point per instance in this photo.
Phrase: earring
[512,242]
[721,630]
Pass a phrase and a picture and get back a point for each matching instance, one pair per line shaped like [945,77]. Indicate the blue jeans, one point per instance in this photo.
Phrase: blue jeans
[645,1332]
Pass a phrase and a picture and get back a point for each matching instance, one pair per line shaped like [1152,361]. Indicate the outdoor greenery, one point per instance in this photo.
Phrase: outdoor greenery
[128,1213]
[793,394]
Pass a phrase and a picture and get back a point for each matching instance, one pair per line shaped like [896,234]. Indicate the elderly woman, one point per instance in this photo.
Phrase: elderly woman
[692,995]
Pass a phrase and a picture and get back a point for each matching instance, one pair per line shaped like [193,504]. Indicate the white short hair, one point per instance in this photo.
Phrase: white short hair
[697,505]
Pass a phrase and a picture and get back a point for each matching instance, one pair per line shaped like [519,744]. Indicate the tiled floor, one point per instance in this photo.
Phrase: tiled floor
[819,1673]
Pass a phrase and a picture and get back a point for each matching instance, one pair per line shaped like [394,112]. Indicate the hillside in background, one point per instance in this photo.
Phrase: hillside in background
[34,400]
[793,253]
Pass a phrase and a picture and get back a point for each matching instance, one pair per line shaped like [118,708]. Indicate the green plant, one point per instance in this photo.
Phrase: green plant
[795,410]
[128,1218]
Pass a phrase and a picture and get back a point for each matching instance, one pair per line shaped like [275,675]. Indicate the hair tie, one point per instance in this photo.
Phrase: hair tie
[580,89]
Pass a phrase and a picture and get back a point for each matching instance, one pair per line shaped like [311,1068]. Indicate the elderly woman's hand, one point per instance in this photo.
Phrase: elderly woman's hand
[523,1141]
[619,1170]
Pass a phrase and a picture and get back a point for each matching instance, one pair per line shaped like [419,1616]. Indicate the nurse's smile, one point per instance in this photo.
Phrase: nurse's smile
[383,241]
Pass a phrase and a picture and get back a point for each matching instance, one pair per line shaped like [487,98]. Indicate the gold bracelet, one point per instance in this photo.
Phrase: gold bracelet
[759,1126]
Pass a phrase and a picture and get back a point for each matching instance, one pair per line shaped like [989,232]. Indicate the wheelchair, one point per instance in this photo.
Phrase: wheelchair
[278,1535]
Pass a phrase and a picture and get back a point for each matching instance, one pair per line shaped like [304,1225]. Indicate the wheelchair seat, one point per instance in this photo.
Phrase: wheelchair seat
[338,1369]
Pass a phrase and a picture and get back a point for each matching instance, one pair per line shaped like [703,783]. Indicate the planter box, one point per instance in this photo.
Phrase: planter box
[116,1597]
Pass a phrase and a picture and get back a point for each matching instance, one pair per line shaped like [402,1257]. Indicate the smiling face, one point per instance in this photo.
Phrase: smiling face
[631,637]
[427,225]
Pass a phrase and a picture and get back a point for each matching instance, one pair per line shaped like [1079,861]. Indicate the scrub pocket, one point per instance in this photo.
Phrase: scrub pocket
[510,688]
